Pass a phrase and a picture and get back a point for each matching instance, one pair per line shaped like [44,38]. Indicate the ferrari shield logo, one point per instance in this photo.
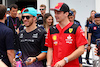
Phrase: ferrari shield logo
[70,30]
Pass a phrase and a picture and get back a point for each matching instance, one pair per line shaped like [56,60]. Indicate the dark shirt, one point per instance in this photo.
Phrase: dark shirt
[77,23]
[95,30]
[14,23]
[40,19]
[6,42]
[32,44]
[88,23]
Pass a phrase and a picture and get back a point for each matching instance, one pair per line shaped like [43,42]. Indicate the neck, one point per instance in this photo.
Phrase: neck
[3,20]
[64,23]
[31,28]
[13,16]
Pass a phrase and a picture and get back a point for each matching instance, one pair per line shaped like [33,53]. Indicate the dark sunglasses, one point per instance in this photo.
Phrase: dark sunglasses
[42,9]
[27,17]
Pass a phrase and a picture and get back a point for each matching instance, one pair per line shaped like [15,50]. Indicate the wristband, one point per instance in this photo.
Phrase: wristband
[66,59]
[36,59]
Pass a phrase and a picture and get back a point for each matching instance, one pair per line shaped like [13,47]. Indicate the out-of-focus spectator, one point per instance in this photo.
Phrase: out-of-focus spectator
[93,34]
[89,21]
[47,21]
[8,12]
[40,17]
[74,12]
[13,23]
[6,39]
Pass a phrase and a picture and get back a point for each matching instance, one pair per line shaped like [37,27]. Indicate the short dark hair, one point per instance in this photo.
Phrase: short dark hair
[3,10]
[42,5]
[13,6]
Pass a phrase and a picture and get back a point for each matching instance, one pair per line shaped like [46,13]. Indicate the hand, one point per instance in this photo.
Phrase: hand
[88,48]
[96,51]
[14,63]
[30,60]
[60,63]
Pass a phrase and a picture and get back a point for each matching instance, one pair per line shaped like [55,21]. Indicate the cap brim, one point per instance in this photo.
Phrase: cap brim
[54,9]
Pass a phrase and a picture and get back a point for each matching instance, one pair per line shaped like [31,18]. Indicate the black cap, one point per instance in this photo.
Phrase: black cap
[61,7]
[71,13]
[97,15]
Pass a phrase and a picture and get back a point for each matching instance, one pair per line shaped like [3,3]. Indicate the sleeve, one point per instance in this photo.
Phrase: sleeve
[87,23]
[80,37]
[9,40]
[43,48]
[48,41]
[89,29]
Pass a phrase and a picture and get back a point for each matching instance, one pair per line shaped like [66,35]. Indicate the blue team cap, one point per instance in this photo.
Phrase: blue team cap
[8,9]
[97,15]
[30,10]
[71,13]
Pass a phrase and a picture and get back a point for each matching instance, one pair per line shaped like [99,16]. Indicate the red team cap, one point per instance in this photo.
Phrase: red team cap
[61,7]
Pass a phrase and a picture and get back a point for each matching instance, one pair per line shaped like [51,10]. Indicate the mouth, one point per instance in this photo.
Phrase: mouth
[25,22]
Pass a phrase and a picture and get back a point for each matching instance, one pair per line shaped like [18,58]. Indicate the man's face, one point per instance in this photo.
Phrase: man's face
[28,19]
[42,10]
[97,21]
[59,15]
[13,12]
[71,18]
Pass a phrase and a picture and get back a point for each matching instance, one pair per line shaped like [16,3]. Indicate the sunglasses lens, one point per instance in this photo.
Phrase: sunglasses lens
[23,17]
[27,17]
[42,9]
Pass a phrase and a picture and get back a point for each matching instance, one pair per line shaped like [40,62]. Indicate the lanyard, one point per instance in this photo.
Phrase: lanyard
[14,24]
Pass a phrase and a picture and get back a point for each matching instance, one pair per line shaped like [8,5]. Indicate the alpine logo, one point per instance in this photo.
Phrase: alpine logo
[21,35]
[35,35]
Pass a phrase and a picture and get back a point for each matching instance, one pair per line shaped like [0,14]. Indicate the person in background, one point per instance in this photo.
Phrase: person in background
[71,19]
[89,21]
[19,15]
[65,41]
[93,34]
[47,21]
[8,12]
[13,23]
[74,12]
[40,17]
[6,39]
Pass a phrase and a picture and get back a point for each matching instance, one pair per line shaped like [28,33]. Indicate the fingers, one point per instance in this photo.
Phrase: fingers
[14,63]
[28,61]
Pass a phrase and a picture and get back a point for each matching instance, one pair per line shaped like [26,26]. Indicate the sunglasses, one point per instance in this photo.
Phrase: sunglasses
[42,9]
[27,17]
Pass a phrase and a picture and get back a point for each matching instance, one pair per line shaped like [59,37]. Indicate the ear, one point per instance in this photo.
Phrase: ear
[35,18]
[67,13]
